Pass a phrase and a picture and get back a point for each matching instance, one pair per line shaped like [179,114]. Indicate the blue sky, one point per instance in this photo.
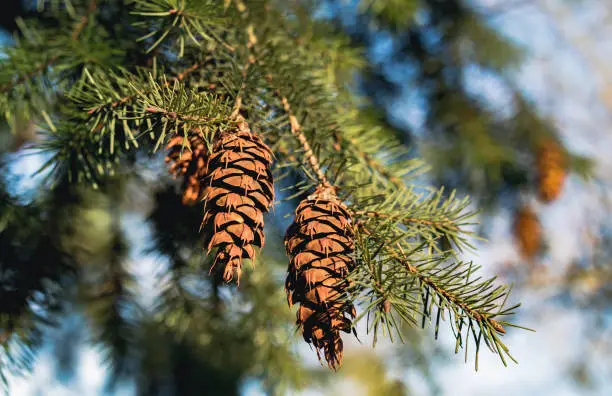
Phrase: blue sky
[544,356]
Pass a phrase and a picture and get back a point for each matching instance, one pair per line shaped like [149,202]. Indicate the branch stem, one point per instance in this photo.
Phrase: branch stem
[179,77]
[368,159]
[93,5]
[444,223]
[296,128]
[450,297]
[25,77]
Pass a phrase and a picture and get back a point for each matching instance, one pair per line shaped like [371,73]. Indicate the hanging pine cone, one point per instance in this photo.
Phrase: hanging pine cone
[528,232]
[320,246]
[238,191]
[551,170]
[189,162]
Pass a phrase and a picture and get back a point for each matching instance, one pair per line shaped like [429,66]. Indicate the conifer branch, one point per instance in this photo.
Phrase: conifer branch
[93,5]
[173,115]
[472,302]
[28,76]
[179,77]
[443,223]
[296,130]
[451,297]
[367,158]
[291,79]
[40,68]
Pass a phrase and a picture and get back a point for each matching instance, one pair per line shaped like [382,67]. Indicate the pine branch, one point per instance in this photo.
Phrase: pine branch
[91,8]
[28,76]
[389,273]
[452,298]
[296,128]
[444,223]
[52,60]
[189,21]
[281,86]
[126,99]
[397,221]
[122,102]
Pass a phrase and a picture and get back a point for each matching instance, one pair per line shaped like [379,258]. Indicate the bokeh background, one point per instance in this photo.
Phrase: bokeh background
[563,72]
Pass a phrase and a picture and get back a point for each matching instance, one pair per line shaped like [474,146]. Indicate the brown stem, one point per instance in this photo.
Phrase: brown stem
[173,115]
[296,128]
[93,5]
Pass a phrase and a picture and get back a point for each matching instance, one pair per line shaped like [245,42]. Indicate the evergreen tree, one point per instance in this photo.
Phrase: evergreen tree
[245,98]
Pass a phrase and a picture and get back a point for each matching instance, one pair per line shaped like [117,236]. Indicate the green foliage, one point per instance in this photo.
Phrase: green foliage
[39,68]
[113,91]
[393,14]
[183,20]
[34,272]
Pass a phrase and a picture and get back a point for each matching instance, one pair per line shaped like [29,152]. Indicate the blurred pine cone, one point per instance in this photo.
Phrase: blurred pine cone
[320,246]
[527,232]
[552,171]
[188,161]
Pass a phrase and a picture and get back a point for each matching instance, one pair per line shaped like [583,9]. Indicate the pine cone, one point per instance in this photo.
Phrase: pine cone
[239,190]
[528,232]
[320,246]
[188,162]
[551,171]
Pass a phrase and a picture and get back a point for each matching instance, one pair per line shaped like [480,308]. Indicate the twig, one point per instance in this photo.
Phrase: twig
[444,223]
[93,5]
[179,77]
[450,297]
[8,86]
[296,128]
[251,60]
[174,116]
[370,161]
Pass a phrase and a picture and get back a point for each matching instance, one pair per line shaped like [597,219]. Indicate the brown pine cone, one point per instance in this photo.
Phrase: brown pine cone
[189,162]
[320,246]
[528,232]
[239,190]
[551,169]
